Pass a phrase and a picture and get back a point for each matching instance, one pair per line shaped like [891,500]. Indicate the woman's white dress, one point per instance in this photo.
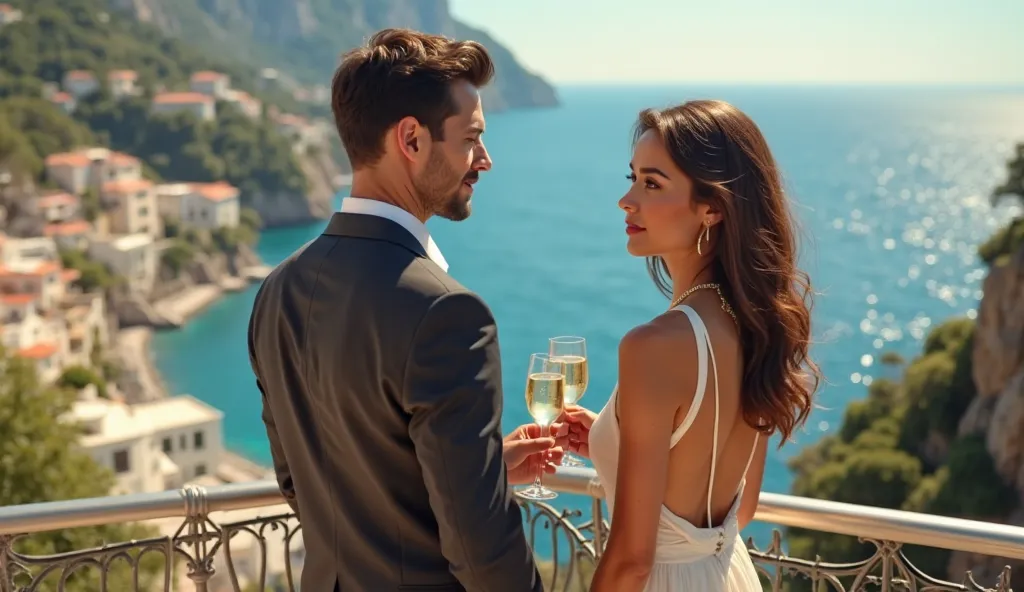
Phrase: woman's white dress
[687,558]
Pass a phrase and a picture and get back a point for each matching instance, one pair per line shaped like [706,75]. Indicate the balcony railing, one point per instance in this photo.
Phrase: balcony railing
[203,551]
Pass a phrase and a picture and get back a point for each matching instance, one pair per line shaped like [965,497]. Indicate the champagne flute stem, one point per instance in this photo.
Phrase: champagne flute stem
[536,480]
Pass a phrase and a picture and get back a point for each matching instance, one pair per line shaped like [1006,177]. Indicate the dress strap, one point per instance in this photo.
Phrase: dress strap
[702,375]
[704,351]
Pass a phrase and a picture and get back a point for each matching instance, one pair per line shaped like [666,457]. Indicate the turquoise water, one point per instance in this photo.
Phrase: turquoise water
[891,186]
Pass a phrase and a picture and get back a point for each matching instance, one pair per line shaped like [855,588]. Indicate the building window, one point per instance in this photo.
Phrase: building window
[121,461]
[167,445]
[183,442]
[197,440]
[200,470]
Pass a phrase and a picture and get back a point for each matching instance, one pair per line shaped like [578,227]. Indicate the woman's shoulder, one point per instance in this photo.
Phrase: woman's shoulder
[657,358]
[670,331]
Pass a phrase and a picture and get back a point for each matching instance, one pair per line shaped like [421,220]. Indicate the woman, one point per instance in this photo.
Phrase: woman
[680,447]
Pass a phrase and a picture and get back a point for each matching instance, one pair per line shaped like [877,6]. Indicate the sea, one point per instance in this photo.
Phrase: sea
[891,186]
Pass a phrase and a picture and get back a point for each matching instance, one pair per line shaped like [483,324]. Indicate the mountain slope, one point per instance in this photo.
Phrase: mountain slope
[57,36]
[304,39]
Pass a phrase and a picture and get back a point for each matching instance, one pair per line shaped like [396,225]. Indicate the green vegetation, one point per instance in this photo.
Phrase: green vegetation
[901,447]
[62,35]
[41,463]
[79,377]
[249,154]
[93,276]
[31,129]
[189,243]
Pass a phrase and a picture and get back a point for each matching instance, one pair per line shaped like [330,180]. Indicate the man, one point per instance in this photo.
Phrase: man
[380,374]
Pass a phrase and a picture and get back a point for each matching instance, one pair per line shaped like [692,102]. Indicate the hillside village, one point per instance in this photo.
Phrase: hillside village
[101,216]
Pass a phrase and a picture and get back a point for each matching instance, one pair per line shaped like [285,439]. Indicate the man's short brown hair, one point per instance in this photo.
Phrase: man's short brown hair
[401,73]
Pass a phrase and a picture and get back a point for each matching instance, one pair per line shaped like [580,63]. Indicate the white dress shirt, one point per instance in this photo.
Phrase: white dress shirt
[372,207]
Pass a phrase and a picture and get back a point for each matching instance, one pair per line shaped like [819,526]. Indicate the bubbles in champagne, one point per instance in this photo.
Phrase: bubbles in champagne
[545,396]
[576,376]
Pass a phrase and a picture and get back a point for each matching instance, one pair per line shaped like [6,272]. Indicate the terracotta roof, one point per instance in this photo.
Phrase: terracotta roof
[57,199]
[71,159]
[180,98]
[18,299]
[80,75]
[220,191]
[39,351]
[122,75]
[207,76]
[6,8]
[61,97]
[289,119]
[127,186]
[123,159]
[70,275]
[44,268]
[67,228]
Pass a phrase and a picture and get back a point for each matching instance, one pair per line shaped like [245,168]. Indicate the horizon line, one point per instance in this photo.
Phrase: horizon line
[806,83]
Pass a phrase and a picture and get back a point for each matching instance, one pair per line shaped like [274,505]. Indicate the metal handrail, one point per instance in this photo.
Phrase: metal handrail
[999,540]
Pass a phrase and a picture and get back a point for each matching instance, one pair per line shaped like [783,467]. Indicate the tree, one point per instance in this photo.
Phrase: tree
[79,377]
[1014,185]
[40,462]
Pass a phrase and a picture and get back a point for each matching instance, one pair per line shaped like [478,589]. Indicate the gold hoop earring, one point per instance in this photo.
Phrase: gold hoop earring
[704,236]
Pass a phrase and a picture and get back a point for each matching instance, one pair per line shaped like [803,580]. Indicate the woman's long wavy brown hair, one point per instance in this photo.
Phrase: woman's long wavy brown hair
[732,170]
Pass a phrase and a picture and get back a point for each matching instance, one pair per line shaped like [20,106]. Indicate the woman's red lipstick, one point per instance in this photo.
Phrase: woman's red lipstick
[633,228]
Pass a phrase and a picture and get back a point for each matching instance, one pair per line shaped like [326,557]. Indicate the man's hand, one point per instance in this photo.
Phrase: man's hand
[528,455]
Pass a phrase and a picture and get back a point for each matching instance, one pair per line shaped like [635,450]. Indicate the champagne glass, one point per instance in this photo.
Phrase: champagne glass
[545,399]
[571,351]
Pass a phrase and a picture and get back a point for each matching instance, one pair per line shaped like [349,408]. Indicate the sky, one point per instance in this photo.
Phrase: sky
[760,41]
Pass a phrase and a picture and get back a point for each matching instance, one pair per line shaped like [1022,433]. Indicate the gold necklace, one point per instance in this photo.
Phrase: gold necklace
[725,304]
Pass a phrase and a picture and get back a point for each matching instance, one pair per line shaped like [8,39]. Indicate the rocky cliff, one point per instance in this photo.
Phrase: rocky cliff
[305,38]
[997,411]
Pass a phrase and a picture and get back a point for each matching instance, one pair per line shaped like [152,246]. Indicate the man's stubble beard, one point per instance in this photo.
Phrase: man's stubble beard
[440,188]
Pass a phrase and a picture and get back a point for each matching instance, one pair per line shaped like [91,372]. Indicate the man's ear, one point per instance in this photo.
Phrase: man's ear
[410,137]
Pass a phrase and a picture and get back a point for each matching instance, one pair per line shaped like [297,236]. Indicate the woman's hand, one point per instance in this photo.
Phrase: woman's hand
[579,421]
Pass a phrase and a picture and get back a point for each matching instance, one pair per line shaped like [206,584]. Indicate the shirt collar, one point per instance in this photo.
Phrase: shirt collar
[372,207]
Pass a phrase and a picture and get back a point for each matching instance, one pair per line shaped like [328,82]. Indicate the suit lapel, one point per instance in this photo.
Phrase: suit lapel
[373,228]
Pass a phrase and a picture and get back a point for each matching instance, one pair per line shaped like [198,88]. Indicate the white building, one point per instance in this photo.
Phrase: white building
[80,83]
[200,105]
[131,207]
[211,206]
[132,256]
[245,103]
[28,334]
[73,234]
[86,325]
[9,14]
[152,446]
[69,170]
[81,169]
[109,166]
[32,266]
[170,198]
[57,206]
[122,83]
[213,84]
[300,132]
[65,101]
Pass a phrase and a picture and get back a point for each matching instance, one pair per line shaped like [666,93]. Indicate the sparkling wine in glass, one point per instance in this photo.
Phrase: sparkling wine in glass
[545,400]
[571,351]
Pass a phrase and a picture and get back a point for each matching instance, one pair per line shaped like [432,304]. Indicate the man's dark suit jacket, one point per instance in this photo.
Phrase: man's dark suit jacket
[381,384]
